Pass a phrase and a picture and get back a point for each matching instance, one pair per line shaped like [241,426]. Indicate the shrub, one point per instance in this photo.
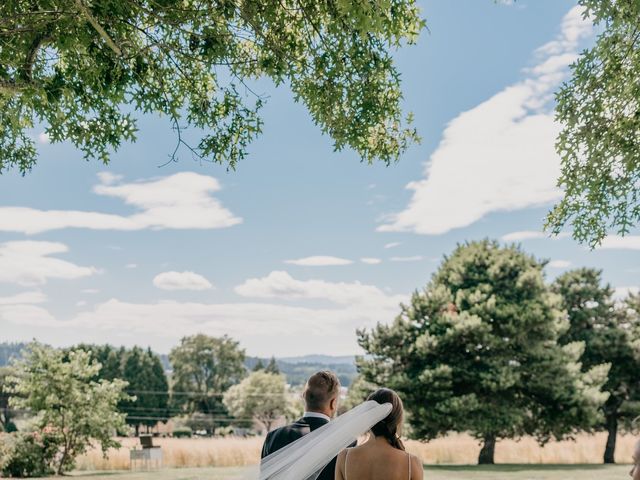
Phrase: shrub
[224,431]
[182,432]
[27,454]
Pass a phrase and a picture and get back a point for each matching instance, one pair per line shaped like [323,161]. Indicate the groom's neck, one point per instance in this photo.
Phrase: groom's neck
[324,411]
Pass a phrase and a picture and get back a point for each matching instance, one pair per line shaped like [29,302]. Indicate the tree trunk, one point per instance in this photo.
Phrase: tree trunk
[487,452]
[137,430]
[612,429]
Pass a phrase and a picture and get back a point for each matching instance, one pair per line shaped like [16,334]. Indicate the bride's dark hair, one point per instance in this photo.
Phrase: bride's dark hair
[388,427]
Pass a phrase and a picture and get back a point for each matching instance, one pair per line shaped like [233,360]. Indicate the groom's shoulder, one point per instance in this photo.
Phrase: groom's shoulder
[298,428]
[283,436]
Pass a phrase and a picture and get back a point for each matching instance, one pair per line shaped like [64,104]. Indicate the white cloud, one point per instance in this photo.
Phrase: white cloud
[108,178]
[31,315]
[43,138]
[279,284]
[620,293]
[530,235]
[181,281]
[415,258]
[370,261]
[180,201]
[498,156]
[616,242]
[319,261]
[392,244]
[261,327]
[24,298]
[81,303]
[523,235]
[131,265]
[30,263]
[90,290]
[559,264]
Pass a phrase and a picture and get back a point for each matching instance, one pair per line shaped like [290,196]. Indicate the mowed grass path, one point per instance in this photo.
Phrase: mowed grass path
[441,472]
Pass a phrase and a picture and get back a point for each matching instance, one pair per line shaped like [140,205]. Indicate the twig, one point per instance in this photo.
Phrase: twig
[94,23]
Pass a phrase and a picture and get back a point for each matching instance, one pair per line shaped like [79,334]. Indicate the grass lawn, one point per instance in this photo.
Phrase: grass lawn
[515,472]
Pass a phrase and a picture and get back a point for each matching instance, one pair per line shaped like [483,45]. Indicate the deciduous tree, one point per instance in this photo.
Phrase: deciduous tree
[203,369]
[6,412]
[71,407]
[262,396]
[85,69]
[599,144]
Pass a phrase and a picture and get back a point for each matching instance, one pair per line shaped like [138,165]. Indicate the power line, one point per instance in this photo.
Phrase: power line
[205,394]
[208,416]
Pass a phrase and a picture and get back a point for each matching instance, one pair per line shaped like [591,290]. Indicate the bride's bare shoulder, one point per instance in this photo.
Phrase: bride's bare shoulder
[417,471]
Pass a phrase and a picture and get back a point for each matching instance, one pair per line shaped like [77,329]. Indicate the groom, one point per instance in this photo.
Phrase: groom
[321,404]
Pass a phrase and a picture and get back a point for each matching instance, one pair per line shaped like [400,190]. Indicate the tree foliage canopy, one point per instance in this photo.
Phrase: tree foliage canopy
[599,145]
[477,351]
[262,396]
[203,369]
[83,68]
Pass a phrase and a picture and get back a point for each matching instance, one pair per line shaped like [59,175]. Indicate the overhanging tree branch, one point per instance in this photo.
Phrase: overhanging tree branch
[98,28]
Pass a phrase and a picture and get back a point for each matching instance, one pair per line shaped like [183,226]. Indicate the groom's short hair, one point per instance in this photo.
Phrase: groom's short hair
[320,389]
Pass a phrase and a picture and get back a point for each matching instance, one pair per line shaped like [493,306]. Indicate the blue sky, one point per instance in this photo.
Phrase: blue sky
[301,245]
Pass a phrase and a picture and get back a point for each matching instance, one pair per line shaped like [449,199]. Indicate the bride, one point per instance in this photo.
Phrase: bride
[381,457]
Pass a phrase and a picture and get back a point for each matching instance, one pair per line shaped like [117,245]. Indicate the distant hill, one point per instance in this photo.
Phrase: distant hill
[321,359]
[9,351]
[298,369]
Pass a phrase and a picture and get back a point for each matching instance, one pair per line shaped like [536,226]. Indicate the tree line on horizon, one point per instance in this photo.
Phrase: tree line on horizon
[55,402]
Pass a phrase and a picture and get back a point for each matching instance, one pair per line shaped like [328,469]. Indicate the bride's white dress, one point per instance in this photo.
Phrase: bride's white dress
[305,458]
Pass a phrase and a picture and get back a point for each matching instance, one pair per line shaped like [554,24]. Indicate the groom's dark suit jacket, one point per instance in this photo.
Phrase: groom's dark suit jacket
[283,436]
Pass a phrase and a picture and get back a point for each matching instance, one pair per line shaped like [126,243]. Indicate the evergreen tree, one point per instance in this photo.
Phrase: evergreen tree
[143,372]
[609,337]
[258,366]
[145,376]
[477,351]
[111,359]
[357,393]
[272,367]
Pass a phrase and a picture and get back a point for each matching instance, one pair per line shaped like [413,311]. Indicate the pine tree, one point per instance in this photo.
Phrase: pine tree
[272,367]
[610,336]
[142,370]
[258,366]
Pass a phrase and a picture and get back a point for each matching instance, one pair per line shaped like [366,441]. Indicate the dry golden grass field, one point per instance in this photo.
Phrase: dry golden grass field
[499,472]
[452,450]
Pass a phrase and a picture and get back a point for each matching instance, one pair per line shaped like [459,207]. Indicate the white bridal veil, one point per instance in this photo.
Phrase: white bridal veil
[305,458]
